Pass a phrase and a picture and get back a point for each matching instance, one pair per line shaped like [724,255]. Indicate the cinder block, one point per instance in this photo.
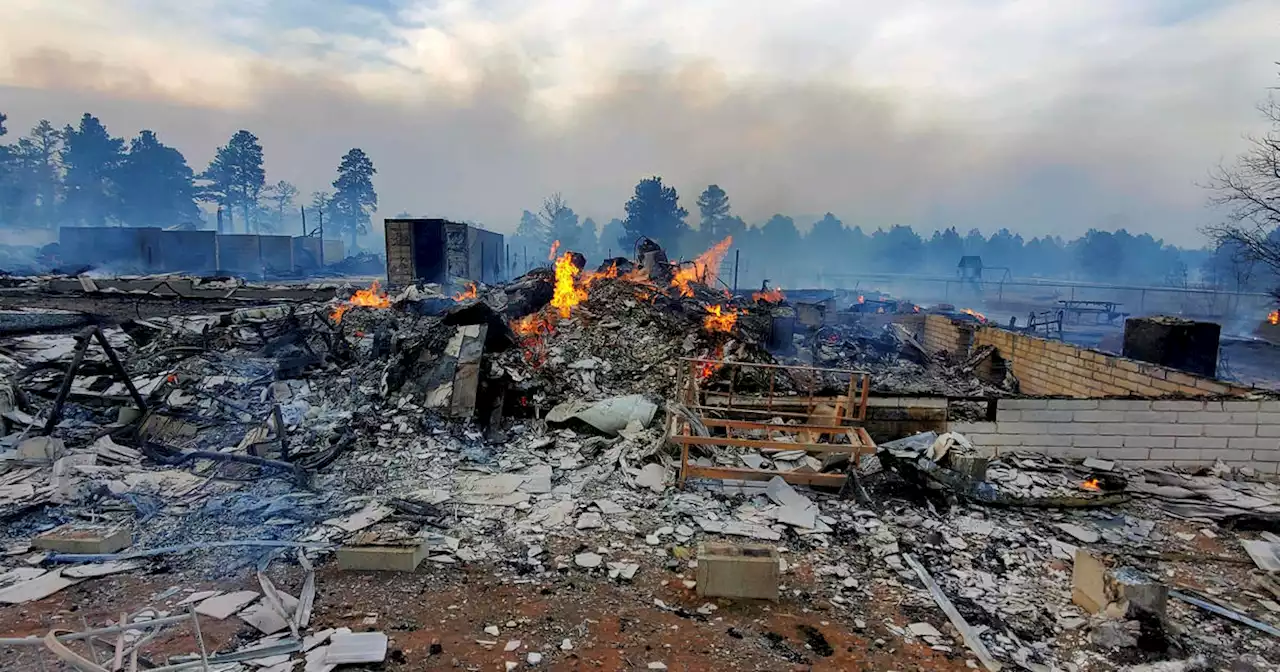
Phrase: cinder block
[381,558]
[1048,439]
[1149,441]
[1254,444]
[1023,428]
[1075,428]
[1177,405]
[1200,442]
[1272,406]
[1241,406]
[80,538]
[1024,404]
[1124,429]
[1228,455]
[1177,430]
[1098,441]
[1073,404]
[1205,417]
[1099,416]
[738,571]
[1003,439]
[968,428]
[1125,454]
[1231,430]
[1269,431]
[1268,418]
[1244,417]
[1116,592]
[1008,416]
[1150,416]
[1124,405]
[1046,416]
[1175,454]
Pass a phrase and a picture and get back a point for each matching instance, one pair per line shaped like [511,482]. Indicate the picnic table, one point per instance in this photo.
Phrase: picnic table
[1100,310]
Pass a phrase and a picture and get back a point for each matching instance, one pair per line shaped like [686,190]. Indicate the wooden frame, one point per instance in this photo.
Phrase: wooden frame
[850,410]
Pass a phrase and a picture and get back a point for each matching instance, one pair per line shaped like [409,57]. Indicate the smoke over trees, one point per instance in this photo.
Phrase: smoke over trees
[156,186]
[236,177]
[90,158]
[1249,191]
[82,175]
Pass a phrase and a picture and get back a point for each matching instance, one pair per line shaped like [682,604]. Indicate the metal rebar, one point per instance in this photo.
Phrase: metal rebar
[61,400]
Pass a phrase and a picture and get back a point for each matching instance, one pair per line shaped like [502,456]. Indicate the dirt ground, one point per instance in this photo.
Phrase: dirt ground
[610,626]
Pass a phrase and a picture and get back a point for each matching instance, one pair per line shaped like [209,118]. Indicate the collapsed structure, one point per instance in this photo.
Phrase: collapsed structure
[937,488]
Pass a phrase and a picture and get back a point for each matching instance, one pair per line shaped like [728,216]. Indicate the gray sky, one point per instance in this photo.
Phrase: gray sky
[1044,116]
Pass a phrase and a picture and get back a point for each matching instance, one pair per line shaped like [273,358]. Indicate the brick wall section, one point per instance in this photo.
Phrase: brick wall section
[1045,367]
[937,332]
[1137,432]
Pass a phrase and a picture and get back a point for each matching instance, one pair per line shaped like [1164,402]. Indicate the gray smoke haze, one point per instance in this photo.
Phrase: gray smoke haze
[1109,143]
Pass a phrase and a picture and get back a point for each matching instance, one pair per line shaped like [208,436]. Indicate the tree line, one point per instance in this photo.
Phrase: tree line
[787,254]
[83,176]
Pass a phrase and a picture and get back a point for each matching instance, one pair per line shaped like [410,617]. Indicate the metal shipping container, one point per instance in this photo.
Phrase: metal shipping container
[437,250]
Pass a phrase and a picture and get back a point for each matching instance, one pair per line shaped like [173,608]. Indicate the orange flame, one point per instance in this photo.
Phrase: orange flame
[774,295]
[719,319]
[554,247]
[566,295]
[1274,317]
[471,292]
[974,313]
[592,276]
[369,298]
[703,269]
[532,329]
[706,369]
[1091,484]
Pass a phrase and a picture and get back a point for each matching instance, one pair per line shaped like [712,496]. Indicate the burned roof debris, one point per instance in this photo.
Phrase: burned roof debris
[258,457]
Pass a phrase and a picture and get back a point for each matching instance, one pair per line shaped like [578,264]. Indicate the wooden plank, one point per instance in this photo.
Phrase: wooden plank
[761,365]
[770,413]
[744,474]
[751,424]
[768,445]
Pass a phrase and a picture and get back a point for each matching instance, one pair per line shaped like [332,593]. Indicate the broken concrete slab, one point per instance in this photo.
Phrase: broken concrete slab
[1265,554]
[589,521]
[223,606]
[587,560]
[266,619]
[101,569]
[371,513]
[37,588]
[41,450]
[738,571]
[652,476]
[1082,534]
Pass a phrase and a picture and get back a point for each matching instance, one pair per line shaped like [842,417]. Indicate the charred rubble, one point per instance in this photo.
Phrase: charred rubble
[523,428]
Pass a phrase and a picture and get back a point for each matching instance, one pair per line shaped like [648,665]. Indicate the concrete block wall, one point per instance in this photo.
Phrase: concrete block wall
[1045,367]
[1137,432]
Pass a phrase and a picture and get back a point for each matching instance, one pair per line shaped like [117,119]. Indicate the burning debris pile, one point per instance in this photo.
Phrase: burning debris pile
[520,431]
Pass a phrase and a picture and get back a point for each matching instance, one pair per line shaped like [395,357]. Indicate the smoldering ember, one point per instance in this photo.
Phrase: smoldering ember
[623,463]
